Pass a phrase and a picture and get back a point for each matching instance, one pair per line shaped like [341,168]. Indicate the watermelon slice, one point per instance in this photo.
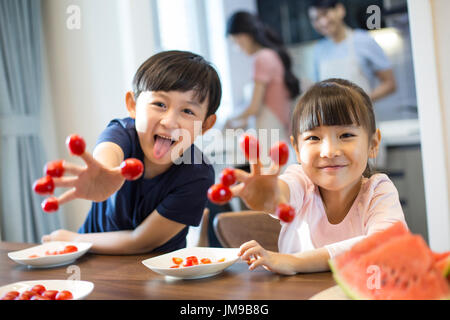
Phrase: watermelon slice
[400,267]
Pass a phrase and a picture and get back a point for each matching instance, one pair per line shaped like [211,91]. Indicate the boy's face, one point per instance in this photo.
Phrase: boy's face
[335,157]
[168,122]
[327,21]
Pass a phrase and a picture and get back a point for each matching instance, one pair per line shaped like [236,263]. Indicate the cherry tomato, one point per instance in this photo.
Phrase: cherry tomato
[227,177]
[39,297]
[50,204]
[285,212]
[27,295]
[205,260]
[219,194]
[51,253]
[175,266]
[70,249]
[10,295]
[33,256]
[64,295]
[194,259]
[54,168]
[177,260]
[44,186]
[39,289]
[250,145]
[188,263]
[51,294]
[131,168]
[280,153]
[76,144]
[221,260]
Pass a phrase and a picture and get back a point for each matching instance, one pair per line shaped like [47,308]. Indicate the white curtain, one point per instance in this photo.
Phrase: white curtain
[21,152]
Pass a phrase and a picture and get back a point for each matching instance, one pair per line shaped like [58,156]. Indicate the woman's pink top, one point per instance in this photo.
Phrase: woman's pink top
[269,70]
[376,207]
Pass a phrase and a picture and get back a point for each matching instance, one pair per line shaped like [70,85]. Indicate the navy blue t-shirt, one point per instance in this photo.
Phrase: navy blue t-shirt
[178,194]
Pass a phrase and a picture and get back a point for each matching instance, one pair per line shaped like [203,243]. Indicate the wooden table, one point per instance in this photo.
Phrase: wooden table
[125,277]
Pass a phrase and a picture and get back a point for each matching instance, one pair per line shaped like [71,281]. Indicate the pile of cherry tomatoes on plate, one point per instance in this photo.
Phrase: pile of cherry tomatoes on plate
[38,292]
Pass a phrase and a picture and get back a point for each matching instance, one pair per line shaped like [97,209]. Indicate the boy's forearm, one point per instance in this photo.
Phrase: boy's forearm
[114,242]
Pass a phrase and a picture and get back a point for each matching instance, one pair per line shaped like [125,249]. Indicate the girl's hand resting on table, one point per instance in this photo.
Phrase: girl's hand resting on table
[256,256]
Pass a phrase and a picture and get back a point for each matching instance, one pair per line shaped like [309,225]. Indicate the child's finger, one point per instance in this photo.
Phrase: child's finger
[255,168]
[237,189]
[65,182]
[72,168]
[257,251]
[88,159]
[256,263]
[67,196]
[241,175]
[247,245]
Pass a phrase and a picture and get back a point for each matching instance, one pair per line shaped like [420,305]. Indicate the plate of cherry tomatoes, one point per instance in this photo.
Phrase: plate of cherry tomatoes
[193,263]
[50,254]
[46,290]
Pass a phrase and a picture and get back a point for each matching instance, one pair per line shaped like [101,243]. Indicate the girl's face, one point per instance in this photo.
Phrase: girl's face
[167,123]
[335,157]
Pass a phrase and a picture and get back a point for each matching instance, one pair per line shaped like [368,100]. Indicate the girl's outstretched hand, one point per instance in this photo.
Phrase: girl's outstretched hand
[94,181]
[259,189]
[256,256]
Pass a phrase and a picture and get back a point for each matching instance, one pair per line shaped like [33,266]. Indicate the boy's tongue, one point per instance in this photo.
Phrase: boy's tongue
[161,147]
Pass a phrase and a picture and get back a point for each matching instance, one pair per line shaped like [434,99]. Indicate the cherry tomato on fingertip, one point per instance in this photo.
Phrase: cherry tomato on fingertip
[280,153]
[131,169]
[219,194]
[250,145]
[54,168]
[44,186]
[76,144]
[50,204]
[285,212]
[227,177]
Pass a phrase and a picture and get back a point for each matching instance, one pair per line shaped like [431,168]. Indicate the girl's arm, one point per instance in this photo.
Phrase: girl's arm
[153,232]
[289,264]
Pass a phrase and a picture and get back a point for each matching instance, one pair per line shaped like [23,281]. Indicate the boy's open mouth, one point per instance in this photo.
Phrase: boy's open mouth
[162,145]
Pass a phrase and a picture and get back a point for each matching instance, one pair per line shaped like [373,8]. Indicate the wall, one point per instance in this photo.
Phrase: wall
[429,35]
[89,71]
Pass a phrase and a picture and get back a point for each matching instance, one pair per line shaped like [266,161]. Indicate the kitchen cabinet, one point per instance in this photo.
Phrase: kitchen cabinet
[403,165]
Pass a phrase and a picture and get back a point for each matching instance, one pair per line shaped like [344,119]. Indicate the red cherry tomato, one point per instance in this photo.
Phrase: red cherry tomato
[131,168]
[27,295]
[76,144]
[280,153]
[51,253]
[227,177]
[51,294]
[33,256]
[250,145]
[64,295]
[175,266]
[70,249]
[285,212]
[193,259]
[10,295]
[39,297]
[188,263]
[205,260]
[50,204]
[39,289]
[177,260]
[54,168]
[44,186]
[219,194]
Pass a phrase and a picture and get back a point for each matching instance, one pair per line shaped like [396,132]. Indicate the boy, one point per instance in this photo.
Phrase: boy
[174,93]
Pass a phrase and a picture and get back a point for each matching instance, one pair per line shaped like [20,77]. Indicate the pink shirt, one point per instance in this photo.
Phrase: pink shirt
[269,70]
[376,207]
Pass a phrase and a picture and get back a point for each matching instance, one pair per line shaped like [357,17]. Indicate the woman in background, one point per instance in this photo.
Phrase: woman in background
[275,85]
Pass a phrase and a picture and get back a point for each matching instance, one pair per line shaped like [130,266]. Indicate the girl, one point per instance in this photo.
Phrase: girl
[337,200]
[275,86]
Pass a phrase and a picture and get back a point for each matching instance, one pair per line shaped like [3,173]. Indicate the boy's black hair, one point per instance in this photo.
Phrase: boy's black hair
[324,4]
[180,71]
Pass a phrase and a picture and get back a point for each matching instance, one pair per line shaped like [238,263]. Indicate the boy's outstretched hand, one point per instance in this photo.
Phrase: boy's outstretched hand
[94,181]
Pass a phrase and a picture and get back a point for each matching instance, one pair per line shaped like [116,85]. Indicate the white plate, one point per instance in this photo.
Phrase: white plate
[79,289]
[161,264]
[47,261]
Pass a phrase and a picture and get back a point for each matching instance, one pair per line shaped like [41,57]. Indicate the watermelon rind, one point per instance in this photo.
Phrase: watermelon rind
[352,294]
